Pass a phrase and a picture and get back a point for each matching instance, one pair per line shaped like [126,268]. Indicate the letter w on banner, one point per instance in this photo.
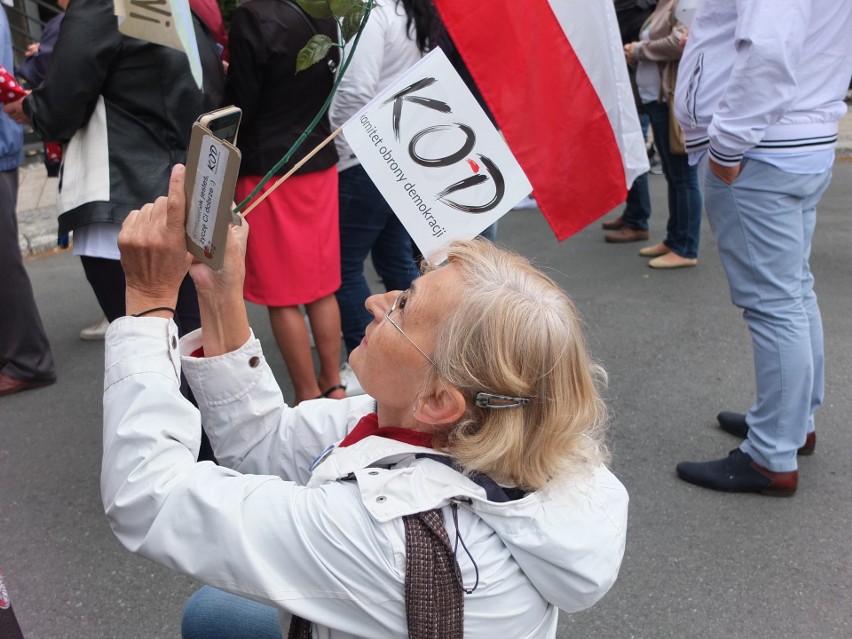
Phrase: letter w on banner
[552,73]
[435,156]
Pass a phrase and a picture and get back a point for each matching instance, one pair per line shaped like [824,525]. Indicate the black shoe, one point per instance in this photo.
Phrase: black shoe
[739,473]
[735,423]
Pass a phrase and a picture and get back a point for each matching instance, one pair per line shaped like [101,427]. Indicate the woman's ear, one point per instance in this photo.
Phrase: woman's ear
[443,407]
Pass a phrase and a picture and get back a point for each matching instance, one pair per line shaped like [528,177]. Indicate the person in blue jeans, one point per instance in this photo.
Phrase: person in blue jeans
[395,38]
[632,224]
[656,55]
[368,226]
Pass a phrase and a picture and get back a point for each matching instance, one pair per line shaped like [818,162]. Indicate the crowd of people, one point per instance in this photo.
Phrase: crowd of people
[436,503]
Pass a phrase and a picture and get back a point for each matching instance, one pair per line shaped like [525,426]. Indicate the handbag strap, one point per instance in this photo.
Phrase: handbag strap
[302,15]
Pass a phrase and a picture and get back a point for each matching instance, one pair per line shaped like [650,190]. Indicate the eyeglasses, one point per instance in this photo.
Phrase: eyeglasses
[402,332]
[483,399]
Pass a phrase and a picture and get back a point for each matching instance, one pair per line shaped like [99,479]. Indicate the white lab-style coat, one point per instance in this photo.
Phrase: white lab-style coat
[327,544]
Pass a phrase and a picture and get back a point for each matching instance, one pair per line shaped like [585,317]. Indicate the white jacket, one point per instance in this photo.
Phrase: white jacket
[764,75]
[385,51]
[326,548]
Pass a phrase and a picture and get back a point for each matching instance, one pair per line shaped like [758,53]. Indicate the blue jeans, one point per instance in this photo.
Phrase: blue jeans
[368,226]
[764,223]
[684,226]
[637,209]
[211,613]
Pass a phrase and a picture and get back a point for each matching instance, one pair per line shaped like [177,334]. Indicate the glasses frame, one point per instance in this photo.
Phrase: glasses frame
[402,332]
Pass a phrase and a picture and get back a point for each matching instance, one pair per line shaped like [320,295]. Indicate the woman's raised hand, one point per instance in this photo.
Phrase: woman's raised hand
[153,249]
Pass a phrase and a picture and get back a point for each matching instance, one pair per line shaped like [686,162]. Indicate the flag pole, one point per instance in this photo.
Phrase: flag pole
[295,168]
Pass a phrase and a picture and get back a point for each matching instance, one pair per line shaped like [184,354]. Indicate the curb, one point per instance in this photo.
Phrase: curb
[37,231]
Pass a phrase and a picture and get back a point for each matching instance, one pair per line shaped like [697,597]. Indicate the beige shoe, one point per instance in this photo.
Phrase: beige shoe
[654,251]
[672,260]
[96,331]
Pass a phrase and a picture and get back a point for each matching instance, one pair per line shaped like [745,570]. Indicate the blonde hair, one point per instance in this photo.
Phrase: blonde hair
[517,333]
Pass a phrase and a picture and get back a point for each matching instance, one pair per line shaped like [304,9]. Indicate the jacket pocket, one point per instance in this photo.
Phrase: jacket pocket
[692,91]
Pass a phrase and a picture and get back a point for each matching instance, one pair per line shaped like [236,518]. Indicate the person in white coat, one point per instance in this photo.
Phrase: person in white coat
[482,432]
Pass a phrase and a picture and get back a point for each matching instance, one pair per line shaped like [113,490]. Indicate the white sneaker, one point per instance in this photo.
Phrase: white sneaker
[96,331]
[348,379]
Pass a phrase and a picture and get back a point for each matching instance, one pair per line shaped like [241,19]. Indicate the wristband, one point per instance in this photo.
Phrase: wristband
[155,309]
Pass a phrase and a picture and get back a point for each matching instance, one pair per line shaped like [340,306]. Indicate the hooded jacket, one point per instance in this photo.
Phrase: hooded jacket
[764,75]
[327,544]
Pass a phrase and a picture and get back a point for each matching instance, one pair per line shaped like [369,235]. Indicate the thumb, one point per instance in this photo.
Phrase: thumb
[176,209]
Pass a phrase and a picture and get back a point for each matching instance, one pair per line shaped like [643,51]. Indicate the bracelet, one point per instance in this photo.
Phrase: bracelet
[155,309]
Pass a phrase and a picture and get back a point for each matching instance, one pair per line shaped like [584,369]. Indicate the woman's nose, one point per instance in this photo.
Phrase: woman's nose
[379,304]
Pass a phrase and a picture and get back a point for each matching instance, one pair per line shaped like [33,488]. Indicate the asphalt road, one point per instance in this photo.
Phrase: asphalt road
[698,563]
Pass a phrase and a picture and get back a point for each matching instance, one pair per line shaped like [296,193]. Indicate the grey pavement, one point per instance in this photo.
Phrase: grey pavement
[698,563]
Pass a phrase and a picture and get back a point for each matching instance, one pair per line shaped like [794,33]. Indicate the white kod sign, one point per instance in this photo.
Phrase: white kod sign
[435,156]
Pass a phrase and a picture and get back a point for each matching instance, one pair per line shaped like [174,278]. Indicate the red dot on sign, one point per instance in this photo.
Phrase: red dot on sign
[473,165]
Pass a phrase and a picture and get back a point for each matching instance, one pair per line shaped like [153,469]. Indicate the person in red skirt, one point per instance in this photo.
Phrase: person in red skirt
[293,255]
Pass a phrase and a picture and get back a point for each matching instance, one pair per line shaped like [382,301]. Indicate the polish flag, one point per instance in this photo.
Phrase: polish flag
[553,74]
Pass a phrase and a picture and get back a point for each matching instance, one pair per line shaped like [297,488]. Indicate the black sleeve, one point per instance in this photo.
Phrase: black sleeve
[87,43]
[248,53]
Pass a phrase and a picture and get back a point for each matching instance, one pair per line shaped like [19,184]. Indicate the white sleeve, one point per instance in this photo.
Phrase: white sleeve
[250,426]
[360,84]
[769,39]
[316,552]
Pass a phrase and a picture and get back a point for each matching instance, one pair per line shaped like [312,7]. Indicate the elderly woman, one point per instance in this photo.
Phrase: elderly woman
[465,496]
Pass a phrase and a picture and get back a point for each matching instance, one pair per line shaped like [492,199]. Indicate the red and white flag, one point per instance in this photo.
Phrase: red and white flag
[553,74]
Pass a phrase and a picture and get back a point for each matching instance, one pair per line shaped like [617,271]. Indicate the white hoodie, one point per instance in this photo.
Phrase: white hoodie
[327,544]
[764,77]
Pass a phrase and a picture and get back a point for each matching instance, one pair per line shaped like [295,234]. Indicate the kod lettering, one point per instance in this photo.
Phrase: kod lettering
[213,158]
[487,172]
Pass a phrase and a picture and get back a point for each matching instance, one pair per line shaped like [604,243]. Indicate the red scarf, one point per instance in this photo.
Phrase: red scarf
[369,425]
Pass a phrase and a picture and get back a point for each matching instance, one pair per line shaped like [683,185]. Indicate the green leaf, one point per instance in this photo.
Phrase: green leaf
[314,51]
[350,25]
[345,8]
[319,9]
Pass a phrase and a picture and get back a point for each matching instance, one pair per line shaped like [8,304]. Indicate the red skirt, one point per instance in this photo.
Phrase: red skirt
[293,253]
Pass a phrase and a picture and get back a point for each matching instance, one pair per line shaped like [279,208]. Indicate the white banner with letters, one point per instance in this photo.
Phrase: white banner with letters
[165,22]
[435,156]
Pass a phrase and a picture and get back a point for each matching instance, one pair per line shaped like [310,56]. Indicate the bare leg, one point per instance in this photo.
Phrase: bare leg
[324,315]
[291,334]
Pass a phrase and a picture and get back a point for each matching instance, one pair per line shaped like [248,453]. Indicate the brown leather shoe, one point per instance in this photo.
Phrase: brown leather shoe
[625,235]
[9,385]
[616,225]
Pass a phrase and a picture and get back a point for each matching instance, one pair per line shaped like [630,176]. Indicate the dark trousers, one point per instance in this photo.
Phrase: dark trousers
[107,280]
[24,349]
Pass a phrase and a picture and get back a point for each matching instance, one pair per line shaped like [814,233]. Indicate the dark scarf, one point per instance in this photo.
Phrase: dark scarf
[434,599]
